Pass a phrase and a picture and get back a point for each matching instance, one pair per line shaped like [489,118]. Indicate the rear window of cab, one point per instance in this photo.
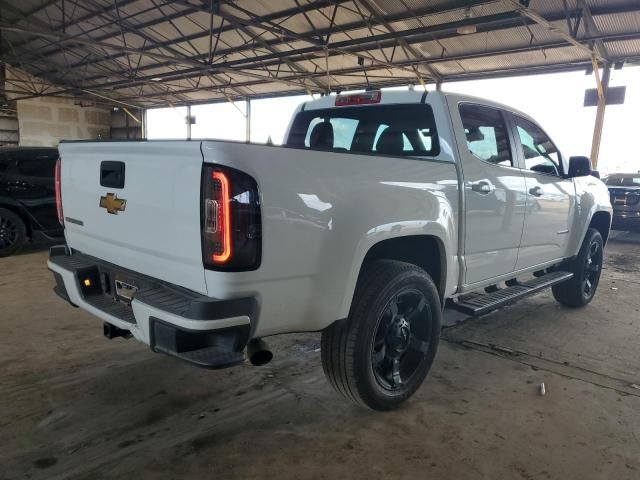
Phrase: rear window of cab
[399,129]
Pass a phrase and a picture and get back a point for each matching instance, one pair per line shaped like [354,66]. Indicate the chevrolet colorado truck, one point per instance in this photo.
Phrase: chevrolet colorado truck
[380,209]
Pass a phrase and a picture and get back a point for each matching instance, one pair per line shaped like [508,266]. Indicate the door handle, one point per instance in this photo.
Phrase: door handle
[536,191]
[482,187]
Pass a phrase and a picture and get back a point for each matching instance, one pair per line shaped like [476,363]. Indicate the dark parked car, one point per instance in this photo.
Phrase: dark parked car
[624,189]
[27,197]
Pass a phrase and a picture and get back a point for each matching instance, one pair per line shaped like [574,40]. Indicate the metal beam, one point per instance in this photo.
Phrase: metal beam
[265,61]
[449,58]
[357,69]
[394,82]
[485,24]
[372,7]
[592,29]
[82,18]
[282,40]
[260,67]
[540,20]
[200,67]
[191,8]
[353,46]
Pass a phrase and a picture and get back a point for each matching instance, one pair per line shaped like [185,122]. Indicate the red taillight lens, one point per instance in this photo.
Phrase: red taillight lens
[58,187]
[230,219]
[218,219]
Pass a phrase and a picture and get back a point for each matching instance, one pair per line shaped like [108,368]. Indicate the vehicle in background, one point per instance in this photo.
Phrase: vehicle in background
[381,208]
[27,197]
[624,189]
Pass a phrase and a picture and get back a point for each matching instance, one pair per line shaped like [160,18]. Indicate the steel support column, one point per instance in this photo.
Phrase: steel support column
[188,122]
[603,86]
[248,119]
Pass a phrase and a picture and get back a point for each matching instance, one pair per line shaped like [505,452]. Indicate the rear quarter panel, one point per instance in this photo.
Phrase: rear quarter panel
[321,213]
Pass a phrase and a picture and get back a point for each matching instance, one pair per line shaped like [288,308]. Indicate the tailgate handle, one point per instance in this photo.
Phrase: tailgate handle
[112,174]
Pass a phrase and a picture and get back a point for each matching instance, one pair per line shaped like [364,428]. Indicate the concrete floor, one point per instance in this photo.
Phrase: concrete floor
[74,405]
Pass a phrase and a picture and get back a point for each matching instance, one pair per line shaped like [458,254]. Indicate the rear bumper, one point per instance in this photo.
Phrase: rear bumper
[204,331]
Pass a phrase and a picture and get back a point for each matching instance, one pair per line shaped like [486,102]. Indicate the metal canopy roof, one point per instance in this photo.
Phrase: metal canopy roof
[161,52]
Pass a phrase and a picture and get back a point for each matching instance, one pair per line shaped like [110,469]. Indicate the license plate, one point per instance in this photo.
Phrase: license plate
[125,290]
[620,200]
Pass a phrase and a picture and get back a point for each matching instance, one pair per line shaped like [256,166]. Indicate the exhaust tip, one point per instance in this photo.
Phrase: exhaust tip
[259,352]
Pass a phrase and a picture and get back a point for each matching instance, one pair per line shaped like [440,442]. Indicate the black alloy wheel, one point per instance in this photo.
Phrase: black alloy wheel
[402,339]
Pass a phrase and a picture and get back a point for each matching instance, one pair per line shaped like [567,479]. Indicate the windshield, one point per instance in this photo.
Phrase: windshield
[401,129]
[624,181]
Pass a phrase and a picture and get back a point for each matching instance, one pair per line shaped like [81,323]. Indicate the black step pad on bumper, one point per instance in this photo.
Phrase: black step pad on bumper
[476,304]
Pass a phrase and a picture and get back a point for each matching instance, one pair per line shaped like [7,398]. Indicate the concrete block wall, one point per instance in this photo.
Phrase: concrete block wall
[8,116]
[44,121]
[125,127]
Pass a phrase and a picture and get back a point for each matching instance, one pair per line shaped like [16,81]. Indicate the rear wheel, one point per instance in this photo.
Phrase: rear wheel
[13,232]
[381,354]
[586,269]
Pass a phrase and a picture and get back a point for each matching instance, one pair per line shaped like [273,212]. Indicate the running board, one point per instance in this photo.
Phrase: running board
[476,304]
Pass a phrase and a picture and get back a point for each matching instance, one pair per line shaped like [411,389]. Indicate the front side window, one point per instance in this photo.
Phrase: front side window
[486,134]
[404,130]
[540,154]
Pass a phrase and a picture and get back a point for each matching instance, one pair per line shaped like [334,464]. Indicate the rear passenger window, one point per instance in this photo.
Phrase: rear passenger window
[486,134]
[36,164]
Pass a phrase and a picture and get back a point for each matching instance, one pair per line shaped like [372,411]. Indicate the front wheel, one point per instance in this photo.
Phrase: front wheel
[586,269]
[381,354]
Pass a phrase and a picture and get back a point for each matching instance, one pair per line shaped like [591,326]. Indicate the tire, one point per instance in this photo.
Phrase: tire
[381,354]
[13,232]
[586,269]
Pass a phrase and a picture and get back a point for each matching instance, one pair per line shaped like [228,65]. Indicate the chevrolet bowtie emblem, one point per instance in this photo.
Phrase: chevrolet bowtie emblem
[112,203]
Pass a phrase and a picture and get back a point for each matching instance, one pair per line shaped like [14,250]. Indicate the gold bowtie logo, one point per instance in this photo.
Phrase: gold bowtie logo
[112,203]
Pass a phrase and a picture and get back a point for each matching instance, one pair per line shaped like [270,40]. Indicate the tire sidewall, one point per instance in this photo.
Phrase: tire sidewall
[22,232]
[592,235]
[368,317]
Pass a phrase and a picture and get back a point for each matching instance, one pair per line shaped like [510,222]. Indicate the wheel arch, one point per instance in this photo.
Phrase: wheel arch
[601,221]
[425,251]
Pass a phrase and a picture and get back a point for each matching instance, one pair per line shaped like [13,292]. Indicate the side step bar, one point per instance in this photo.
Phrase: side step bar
[476,304]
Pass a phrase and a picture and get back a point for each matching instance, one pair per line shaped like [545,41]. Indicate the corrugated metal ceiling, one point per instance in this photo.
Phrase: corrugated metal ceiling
[159,52]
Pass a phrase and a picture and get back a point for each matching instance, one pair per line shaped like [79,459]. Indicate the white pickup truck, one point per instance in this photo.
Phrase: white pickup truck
[380,209]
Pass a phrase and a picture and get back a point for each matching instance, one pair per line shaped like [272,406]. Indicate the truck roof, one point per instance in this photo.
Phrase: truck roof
[388,97]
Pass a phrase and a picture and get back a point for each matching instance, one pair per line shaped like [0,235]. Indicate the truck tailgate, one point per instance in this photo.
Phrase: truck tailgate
[157,233]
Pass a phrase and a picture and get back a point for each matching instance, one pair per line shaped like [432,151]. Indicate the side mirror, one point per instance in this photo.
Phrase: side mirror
[579,167]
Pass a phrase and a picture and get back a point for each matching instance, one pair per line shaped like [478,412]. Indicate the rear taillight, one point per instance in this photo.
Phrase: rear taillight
[58,187]
[231,229]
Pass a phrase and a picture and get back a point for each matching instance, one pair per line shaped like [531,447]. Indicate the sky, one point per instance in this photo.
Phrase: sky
[554,100]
